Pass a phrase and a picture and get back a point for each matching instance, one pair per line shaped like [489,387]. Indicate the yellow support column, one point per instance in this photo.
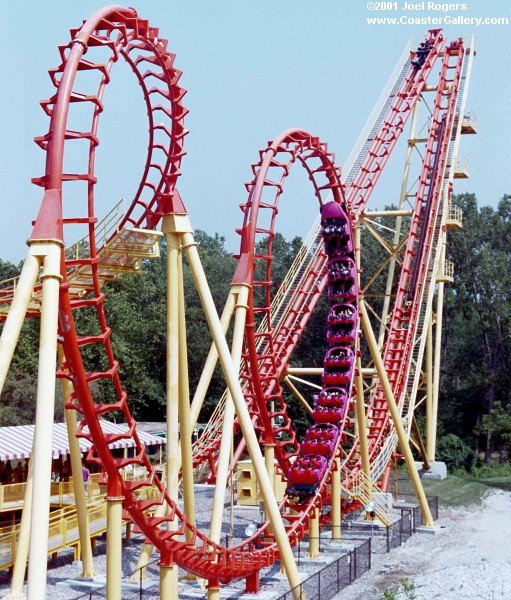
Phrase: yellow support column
[20,562]
[314,534]
[184,411]
[228,424]
[396,418]
[168,583]
[78,485]
[436,365]
[211,360]
[8,341]
[213,590]
[233,384]
[359,400]
[430,449]
[362,429]
[172,382]
[45,409]
[16,316]
[336,501]
[269,461]
[113,544]
[171,226]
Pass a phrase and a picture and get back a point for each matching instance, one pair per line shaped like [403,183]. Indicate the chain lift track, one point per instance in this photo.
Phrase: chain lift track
[285,321]
[416,271]
[116,32]
[286,326]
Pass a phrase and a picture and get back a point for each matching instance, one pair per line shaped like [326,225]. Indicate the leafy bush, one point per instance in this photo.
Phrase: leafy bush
[485,471]
[455,453]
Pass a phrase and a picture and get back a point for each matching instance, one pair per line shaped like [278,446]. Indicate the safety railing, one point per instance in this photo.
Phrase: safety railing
[378,108]
[104,230]
[63,522]
[462,166]
[15,492]
[455,213]
[7,286]
[445,272]
[11,492]
[62,527]
[448,269]
[62,491]
[363,489]
[335,576]
[470,120]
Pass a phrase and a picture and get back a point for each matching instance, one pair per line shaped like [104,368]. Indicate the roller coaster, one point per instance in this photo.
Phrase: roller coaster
[383,330]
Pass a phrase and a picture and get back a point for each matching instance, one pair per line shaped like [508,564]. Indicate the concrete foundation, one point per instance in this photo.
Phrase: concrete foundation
[99,582]
[428,530]
[437,471]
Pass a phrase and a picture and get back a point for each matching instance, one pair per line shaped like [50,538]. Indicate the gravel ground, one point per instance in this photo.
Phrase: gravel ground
[470,557]
[63,568]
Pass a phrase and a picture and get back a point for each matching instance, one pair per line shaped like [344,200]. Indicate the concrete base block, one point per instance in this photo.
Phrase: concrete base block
[437,471]
[280,575]
[135,585]
[376,524]
[339,546]
[99,582]
[335,550]
[260,595]
[385,498]
[87,584]
[323,559]
[79,567]
[428,530]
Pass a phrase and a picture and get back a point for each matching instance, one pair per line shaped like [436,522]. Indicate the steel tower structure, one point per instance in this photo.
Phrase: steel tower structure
[362,411]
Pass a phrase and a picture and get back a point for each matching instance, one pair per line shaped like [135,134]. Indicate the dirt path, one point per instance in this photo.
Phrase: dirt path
[470,557]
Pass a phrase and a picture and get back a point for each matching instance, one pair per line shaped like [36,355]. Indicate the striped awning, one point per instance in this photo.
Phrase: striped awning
[16,441]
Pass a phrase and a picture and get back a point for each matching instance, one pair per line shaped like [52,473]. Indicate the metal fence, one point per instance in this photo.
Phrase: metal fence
[400,531]
[335,576]
[417,517]
[324,584]
[384,539]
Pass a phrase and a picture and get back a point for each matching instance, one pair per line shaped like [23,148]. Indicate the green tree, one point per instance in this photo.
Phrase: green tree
[476,369]
[498,421]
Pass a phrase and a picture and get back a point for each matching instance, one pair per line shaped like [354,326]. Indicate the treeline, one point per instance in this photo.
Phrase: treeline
[476,368]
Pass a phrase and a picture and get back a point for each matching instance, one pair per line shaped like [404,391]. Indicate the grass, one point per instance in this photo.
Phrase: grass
[405,590]
[460,489]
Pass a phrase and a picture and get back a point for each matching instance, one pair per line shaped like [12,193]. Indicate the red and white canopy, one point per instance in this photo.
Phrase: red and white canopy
[16,440]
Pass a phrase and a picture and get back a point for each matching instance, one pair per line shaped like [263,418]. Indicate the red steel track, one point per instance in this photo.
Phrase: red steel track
[272,356]
[121,33]
[116,32]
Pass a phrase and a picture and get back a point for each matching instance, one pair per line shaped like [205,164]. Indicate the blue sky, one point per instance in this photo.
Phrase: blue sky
[252,68]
